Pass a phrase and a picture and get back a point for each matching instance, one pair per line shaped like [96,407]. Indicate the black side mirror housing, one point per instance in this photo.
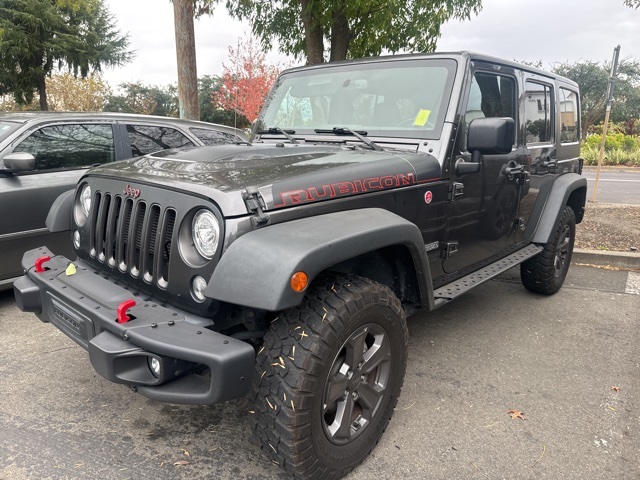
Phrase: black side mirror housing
[490,136]
[19,162]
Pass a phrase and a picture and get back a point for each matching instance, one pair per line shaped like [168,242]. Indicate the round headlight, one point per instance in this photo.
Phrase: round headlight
[206,233]
[85,200]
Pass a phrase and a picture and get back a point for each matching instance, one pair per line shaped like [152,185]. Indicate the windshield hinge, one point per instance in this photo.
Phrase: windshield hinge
[255,204]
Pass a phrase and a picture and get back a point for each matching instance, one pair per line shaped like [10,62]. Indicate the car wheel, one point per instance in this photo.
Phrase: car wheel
[328,377]
[545,273]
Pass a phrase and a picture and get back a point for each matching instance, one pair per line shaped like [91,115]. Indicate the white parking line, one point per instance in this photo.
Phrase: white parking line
[633,284]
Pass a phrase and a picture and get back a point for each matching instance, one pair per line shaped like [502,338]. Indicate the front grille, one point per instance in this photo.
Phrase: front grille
[133,236]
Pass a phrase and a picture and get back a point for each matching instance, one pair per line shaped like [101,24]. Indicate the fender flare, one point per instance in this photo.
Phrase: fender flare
[561,191]
[256,269]
[60,216]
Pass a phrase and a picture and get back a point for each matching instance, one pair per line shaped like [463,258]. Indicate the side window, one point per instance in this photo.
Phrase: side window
[539,113]
[491,96]
[146,139]
[569,116]
[69,146]
[214,137]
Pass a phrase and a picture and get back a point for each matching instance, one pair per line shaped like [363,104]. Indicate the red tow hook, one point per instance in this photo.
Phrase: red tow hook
[123,316]
[40,261]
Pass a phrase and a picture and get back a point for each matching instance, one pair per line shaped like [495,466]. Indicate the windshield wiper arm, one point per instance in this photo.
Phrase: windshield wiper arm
[347,131]
[286,133]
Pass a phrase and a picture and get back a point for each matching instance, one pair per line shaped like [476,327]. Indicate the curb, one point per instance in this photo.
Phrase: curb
[604,258]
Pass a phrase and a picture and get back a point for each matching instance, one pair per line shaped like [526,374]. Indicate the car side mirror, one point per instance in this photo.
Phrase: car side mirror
[490,136]
[19,162]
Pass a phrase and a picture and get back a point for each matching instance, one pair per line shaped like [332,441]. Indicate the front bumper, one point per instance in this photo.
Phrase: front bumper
[198,366]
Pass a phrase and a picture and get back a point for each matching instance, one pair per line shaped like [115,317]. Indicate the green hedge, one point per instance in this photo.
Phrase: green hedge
[620,149]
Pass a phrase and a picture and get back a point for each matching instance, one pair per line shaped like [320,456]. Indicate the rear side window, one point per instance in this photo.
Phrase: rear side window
[569,116]
[69,146]
[539,113]
[214,137]
[146,139]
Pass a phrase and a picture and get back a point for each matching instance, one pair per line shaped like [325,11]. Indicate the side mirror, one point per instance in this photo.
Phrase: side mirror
[490,136]
[19,162]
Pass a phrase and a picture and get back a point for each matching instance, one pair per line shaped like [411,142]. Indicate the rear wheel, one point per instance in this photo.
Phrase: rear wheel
[329,377]
[545,273]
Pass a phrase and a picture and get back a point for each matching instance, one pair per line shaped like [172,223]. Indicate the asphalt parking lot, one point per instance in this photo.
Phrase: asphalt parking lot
[498,348]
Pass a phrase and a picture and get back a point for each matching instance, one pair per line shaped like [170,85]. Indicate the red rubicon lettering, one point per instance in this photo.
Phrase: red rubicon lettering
[338,189]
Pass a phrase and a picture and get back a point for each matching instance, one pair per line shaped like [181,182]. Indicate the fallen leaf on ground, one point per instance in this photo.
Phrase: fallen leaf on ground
[516,414]
[181,463]
[615,389]
[185,452]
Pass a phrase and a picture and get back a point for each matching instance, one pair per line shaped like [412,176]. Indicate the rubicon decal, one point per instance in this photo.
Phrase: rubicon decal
[129,191]
[339,189]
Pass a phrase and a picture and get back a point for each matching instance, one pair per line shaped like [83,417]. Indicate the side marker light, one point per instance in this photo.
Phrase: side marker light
[299,281]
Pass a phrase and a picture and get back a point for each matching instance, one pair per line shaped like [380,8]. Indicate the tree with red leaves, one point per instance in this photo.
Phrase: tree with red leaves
[245,81]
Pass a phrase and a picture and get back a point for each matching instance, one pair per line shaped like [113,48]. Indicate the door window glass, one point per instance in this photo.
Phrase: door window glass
[146,139]
[569,117]
[491,96]
[69,146]
[539,113]
[214,137]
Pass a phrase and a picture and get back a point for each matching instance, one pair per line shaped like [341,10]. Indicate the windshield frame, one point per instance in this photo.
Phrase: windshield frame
[7,127]
[276,96]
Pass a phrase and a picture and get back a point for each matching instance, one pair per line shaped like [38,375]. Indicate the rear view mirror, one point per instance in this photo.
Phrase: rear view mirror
[490,136]
[19,162]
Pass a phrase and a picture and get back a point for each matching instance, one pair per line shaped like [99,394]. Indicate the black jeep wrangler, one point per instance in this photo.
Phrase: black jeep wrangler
[286,268]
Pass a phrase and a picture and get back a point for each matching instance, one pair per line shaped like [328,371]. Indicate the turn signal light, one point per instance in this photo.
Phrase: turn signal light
[299,281]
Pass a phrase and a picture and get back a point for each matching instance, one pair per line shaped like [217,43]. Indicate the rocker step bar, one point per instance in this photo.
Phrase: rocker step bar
[454,289]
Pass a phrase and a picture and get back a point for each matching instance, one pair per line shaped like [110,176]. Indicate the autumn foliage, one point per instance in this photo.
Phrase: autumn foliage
[246,80]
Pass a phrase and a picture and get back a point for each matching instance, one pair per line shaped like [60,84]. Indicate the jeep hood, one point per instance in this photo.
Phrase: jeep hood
[285,174]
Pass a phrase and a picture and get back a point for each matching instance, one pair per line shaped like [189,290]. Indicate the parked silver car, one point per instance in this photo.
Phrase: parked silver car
[43,154]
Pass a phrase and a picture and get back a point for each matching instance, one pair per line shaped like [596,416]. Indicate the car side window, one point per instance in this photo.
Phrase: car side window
[146,139]
[491,95]
[214,137]
[569,116]
[539,113]
[69,146]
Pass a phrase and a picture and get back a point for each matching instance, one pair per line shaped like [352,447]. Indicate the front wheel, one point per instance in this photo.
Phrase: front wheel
[329,377]
[545,273]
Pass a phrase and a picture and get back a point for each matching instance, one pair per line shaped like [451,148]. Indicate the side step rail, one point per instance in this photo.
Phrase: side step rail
[448,292]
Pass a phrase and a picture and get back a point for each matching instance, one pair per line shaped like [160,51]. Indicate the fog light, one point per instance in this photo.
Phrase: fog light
[154,366]
[76,239]
[198,286]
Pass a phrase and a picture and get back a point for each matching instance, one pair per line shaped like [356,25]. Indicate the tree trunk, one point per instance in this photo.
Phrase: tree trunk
[313,35]
[42,91]
[340,34]
[183,11]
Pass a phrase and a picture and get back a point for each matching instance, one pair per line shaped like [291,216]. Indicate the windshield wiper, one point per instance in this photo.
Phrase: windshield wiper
[347,131]
[280,131]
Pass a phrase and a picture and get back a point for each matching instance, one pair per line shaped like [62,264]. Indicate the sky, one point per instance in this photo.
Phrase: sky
[553,31]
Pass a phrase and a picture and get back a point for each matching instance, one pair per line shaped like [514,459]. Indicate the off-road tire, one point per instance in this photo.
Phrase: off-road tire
[545,273]
[295,417]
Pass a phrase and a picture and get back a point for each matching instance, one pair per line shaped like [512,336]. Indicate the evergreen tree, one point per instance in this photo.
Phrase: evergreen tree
[38,36]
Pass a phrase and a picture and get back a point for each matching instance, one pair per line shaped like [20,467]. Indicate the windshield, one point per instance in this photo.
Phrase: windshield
[406,98]
[6,128]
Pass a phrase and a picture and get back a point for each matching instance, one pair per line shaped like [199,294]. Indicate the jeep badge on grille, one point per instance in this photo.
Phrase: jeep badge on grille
[129,191]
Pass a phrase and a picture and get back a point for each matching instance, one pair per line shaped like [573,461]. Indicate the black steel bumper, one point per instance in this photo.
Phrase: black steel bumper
[84,307]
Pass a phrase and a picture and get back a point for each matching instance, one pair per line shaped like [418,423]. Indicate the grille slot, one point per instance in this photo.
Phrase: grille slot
[132,236]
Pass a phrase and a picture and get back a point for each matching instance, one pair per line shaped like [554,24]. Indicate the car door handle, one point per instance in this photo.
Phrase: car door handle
[514,170]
